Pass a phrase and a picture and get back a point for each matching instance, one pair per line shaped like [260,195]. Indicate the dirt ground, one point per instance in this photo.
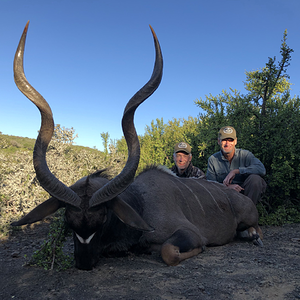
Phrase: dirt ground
[238,270]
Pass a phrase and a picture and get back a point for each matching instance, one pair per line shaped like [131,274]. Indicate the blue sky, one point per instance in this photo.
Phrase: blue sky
[87,57]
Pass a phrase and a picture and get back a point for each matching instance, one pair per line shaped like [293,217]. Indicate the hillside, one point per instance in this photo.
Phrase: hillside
[11,144]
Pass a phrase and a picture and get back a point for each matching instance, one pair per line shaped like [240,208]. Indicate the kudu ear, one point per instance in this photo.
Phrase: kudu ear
[40,212]
[128,215]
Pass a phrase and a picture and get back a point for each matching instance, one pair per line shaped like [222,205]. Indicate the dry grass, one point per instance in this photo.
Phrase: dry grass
[20,191]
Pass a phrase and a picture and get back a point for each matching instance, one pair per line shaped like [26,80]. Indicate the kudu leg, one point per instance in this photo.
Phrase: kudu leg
[181,245]
[256,235]
[252,234]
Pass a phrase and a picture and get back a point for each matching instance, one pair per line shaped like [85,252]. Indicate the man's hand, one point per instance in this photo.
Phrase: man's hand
[235,187]
[228,179]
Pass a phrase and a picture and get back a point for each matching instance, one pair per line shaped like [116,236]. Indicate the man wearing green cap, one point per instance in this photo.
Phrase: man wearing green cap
[238,169]
[183,162]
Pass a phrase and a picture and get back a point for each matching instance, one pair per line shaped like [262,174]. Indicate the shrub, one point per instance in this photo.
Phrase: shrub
[20,191]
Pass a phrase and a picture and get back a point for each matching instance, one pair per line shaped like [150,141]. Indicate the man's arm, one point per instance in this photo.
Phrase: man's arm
[210,173]
[228,179]
[252,165]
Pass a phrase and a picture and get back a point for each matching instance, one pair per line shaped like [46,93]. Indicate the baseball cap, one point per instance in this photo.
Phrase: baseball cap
[182,146]
[227,132]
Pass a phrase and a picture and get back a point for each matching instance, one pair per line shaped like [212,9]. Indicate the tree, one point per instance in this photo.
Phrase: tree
[271,80]
[64,135]
[157,144]
[267,120]
[62,139]
[105,137]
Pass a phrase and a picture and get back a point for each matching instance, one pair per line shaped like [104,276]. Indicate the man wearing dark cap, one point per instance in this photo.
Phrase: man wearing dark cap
[238,169]
[183,162]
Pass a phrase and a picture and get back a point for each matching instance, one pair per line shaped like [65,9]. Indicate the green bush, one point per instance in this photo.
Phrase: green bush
[282,215]
[267,120]
[51,255]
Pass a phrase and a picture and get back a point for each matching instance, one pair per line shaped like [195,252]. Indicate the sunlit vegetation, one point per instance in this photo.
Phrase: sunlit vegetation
[267,120]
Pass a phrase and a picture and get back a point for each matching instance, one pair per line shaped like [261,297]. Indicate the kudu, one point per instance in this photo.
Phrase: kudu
[156,211]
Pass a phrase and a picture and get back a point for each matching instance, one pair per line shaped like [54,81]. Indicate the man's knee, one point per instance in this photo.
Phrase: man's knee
[254,186]
[254,181]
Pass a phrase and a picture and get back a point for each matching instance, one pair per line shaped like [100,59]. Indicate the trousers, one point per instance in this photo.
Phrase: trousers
[254,186]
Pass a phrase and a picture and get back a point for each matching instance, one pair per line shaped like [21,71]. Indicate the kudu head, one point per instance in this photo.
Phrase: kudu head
[90,200]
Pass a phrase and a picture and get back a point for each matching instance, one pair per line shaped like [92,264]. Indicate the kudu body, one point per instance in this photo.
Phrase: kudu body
[156,211]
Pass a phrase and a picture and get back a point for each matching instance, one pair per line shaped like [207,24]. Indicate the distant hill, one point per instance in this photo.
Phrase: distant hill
[11,143]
